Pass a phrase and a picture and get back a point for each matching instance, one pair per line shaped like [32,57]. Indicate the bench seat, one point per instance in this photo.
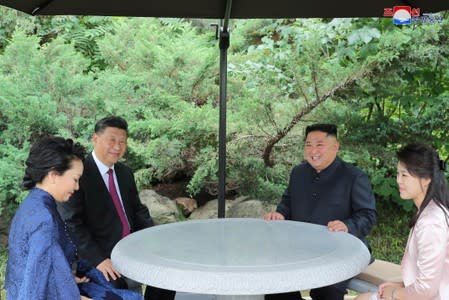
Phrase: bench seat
[376,273]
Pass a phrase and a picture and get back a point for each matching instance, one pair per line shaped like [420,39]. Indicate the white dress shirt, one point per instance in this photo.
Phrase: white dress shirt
[104,174]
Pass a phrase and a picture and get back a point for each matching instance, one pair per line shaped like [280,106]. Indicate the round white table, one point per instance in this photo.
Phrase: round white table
[239,258]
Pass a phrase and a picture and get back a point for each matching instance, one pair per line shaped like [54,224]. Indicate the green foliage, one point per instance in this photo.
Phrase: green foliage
[251,177]
[389,236]
[384,86]
[3,261]
[36,99]
[161,75]
[83,33]
[11,168]
[12,20]
[206,173]
[408,103]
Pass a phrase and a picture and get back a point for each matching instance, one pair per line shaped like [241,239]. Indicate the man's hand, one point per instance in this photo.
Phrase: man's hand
[337,226]
[108,270]
[273,216]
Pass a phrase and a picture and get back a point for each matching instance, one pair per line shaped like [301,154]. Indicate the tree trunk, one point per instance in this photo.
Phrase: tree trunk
[307,109]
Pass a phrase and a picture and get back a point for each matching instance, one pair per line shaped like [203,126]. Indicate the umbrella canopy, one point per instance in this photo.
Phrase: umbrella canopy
[244,9]
[224,10]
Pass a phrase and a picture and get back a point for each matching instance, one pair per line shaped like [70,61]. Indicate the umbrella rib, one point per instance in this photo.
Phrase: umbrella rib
[42,6]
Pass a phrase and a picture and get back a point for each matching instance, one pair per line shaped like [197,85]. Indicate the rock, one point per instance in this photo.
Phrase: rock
[241,207]
[246,209]
[209,210]
[187,205]
[162,209]
[240,199]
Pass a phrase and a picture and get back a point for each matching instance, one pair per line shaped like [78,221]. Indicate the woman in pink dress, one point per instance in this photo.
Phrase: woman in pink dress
[425,264]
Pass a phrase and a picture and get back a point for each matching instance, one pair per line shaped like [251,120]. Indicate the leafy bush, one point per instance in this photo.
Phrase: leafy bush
[389,236]
[3,261]
[59,75]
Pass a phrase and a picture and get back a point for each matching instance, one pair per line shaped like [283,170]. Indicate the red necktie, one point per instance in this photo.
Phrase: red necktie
[117,204]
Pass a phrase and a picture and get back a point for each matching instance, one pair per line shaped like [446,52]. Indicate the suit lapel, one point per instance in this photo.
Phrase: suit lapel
[95,177]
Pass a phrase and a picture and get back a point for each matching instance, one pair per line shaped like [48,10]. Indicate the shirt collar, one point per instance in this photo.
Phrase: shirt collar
[329,169]
[101,166]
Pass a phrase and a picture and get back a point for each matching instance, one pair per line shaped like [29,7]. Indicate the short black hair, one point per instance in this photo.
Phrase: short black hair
[111,121]
[330,129]
[50,153]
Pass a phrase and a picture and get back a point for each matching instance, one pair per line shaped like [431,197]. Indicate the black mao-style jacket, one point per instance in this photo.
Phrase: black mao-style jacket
[339,192]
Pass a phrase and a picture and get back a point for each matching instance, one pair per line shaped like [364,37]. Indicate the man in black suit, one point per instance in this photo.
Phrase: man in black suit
[326,190]
[107,206]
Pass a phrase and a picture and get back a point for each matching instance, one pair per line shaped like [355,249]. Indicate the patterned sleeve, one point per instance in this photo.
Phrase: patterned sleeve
[46,263]
[64,281]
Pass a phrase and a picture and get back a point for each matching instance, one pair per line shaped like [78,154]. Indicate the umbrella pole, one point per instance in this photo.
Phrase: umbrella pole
[224,45]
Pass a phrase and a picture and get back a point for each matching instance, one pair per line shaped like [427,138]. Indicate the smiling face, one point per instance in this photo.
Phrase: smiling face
[110,145]
[411,187]
[320,149]
[64,185]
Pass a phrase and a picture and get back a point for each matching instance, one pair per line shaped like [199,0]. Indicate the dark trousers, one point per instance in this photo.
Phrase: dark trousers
[154,293]
[332,292]
[151,292]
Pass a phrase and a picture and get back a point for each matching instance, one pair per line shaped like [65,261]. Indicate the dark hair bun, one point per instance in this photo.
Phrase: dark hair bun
[50,154]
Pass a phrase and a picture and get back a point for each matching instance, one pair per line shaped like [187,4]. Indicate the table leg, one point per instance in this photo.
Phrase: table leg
[239,297]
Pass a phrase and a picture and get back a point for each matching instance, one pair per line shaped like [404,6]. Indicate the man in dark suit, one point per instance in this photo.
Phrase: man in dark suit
[326,190]
[107,207]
